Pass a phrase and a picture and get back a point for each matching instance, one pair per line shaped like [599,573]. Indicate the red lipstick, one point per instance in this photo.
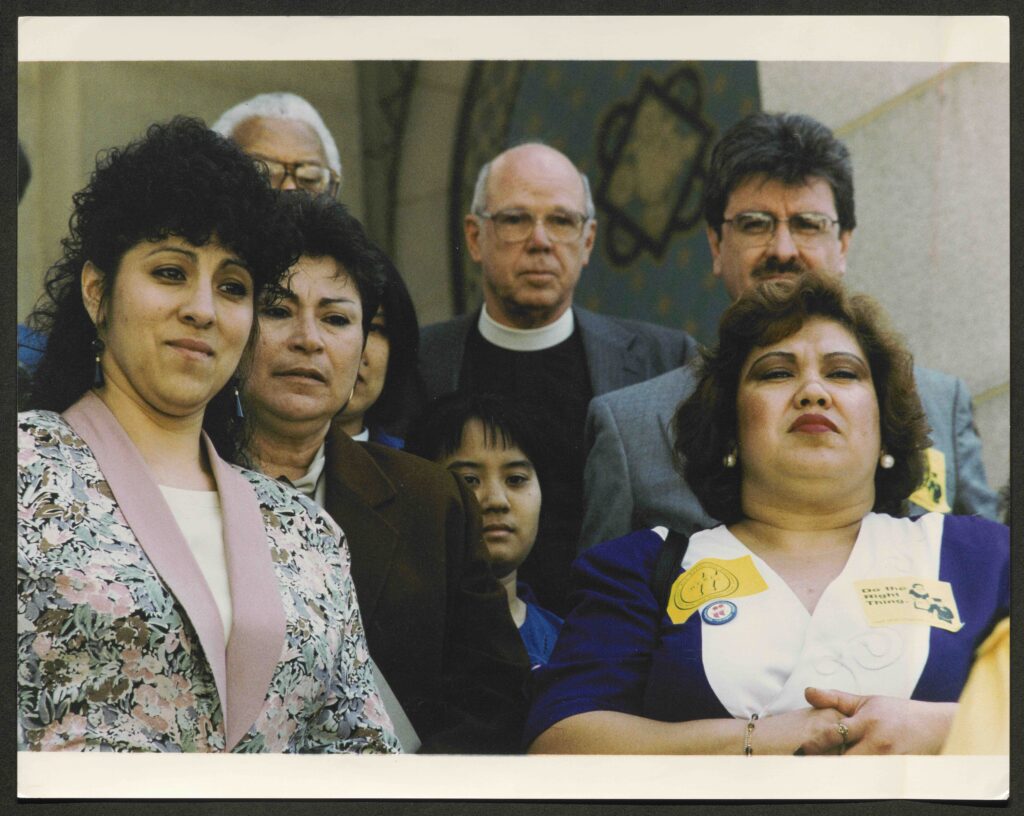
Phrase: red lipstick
[813,423]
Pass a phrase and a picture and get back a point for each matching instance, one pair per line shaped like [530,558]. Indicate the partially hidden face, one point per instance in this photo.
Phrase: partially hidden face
[741,263]
[175,323]
[310,340]
[288,142]
[373,369]
[506,486]
[530,282]
[807,412]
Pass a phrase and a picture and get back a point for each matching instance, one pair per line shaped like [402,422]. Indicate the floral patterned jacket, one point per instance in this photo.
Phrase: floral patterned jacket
[120,645]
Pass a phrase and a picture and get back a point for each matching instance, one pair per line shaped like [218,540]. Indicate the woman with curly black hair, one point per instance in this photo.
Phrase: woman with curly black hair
[168,601]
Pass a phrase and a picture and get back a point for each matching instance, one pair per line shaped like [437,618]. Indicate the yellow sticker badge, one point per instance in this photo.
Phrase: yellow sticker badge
[709,579]
[909,600]
[931,495]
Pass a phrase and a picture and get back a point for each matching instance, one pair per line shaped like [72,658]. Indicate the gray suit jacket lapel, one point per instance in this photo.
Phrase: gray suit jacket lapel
[441,359]
[611,359]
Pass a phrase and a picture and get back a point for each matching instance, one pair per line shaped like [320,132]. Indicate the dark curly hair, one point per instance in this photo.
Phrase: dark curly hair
[787,147]
[706,422]
[327,229]
[180,179]
[324,228]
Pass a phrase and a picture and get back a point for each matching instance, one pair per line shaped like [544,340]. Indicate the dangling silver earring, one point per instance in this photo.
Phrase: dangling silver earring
[97,375]
[885,461]
[729,460]
[239,413]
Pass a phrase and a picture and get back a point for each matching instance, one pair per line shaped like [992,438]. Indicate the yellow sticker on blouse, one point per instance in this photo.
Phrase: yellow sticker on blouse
[931,495]
[909,600]
[712,578]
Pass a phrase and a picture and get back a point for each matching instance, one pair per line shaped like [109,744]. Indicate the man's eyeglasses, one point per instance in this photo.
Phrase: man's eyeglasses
[513,226]
[309,176]
[757,228]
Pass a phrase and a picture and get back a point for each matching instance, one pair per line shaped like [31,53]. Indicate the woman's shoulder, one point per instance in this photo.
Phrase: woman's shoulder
[42,430]
[947,525]
[283,500]
[41,419]
[976,532]
[635,552]
[977,524]
[422,484]
[977,536]
[399,463]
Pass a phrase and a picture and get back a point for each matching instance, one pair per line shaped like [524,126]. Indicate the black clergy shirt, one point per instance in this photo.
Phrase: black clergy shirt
[554,385]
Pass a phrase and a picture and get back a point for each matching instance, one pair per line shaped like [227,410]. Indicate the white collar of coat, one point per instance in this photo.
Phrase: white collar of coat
[526,339]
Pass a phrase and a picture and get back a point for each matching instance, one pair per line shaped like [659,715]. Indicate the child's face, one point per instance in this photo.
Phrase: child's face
[506,486]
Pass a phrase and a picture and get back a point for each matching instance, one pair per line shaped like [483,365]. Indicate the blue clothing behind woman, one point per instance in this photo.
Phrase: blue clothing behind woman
[381,438]
[540,629]
[31,345]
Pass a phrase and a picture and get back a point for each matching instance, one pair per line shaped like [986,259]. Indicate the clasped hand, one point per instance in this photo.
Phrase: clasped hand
[875,724]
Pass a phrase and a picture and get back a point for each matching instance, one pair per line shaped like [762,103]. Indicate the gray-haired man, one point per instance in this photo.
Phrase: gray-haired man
[532,228]
[288,135]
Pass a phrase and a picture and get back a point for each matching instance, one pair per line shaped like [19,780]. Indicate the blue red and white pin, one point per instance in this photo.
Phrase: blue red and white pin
[718,612]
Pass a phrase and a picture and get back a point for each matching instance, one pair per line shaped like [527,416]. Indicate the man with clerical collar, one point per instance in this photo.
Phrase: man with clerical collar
[532,227]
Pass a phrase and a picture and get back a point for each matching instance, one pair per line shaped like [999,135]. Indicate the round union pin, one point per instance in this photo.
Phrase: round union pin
[718,612]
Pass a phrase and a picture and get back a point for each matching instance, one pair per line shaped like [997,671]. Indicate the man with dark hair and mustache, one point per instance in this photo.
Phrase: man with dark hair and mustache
[778,201]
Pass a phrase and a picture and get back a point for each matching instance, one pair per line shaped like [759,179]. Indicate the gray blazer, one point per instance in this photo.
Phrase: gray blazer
[630,481]
[619,352]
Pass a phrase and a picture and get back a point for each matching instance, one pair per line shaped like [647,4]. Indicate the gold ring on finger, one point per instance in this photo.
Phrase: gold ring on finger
[844,732]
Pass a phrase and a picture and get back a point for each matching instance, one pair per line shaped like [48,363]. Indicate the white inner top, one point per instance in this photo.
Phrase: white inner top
[526,339]
[199,516]
[760,661]
[312,483]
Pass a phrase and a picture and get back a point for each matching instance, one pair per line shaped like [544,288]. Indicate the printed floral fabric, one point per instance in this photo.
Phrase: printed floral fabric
[107,658]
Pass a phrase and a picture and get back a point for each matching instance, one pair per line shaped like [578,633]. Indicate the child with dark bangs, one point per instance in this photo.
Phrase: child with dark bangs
[495,447]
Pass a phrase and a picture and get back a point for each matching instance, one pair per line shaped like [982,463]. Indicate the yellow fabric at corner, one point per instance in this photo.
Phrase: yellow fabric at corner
[710,579]
[982,722]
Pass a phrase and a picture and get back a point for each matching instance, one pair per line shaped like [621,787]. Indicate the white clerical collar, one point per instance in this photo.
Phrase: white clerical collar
[526,339]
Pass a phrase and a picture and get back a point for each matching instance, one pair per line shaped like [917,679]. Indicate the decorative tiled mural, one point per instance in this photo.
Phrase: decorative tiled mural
[642,132]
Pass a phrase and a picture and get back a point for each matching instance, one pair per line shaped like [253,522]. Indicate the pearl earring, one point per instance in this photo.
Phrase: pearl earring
[729,460]
[885,461]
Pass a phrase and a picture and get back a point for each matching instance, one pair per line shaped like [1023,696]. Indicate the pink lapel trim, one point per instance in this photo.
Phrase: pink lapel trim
[153,524]
[242,671]
[258,620]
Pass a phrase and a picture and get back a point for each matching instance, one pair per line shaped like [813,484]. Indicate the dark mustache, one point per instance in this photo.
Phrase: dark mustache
[775,266]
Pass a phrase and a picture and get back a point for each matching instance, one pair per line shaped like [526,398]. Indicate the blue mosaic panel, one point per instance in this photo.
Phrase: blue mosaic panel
[642,132]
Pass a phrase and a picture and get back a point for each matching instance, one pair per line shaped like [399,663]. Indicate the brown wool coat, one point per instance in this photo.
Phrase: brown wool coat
[436,619]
